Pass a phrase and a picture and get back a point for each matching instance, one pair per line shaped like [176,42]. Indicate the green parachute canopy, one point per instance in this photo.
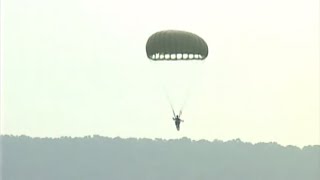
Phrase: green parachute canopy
[172,45]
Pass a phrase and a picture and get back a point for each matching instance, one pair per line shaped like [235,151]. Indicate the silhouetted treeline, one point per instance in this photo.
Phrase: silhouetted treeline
[103,158]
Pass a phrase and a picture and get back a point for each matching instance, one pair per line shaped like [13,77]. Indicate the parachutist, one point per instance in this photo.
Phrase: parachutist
[177,121]
[176,46]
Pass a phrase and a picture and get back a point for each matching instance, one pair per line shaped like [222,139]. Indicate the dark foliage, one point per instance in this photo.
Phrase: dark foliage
[97,158]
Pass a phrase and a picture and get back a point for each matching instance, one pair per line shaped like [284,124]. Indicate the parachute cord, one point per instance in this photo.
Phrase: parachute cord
[164,89]
[185,101]
[188,94]
[168,98]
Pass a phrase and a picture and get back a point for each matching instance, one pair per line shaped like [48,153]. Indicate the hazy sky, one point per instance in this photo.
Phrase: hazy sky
[79,67]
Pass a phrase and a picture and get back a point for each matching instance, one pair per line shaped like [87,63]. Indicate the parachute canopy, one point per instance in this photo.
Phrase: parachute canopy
[175,45]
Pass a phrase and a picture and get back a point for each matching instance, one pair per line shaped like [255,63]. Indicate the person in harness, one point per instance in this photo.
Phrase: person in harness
[177,121]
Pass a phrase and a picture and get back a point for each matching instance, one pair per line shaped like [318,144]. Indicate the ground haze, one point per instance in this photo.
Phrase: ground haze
[97,157]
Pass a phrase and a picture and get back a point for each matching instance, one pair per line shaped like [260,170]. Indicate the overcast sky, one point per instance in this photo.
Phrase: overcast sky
[79,67]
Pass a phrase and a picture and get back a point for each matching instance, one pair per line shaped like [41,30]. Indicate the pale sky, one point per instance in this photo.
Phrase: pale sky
[79,67]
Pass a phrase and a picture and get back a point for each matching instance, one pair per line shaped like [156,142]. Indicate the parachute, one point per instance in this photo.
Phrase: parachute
[176,45]
[188,50]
